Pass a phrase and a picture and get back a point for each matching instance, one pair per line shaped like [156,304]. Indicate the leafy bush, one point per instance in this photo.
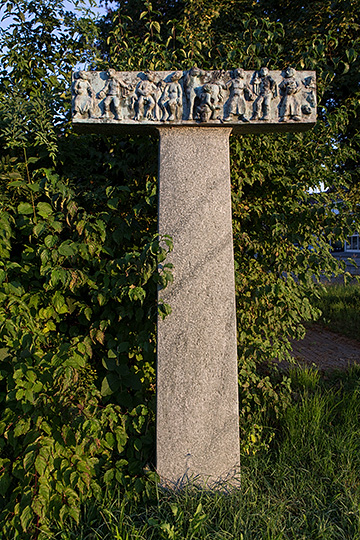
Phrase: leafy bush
[77,306]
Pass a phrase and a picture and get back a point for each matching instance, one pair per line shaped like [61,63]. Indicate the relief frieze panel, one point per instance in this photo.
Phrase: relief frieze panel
[244,100]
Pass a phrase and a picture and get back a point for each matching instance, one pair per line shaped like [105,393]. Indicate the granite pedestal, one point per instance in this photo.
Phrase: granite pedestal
[197,392]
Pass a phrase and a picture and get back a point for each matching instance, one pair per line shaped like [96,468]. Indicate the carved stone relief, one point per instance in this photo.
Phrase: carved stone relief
[195,97]
[84,96]
[289,108]
[171,101]
[265,88]
[239,93]
[114,94]
[146,98]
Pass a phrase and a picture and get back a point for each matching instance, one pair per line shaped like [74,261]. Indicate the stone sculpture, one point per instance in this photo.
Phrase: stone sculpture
[265,90]
[216,86]
[171,99]
[84,95]
[239,92]
[206,108]
[146,94]
[192,84]
[194,113]
[289,88]
[113,94]
[310,85]
[235,98]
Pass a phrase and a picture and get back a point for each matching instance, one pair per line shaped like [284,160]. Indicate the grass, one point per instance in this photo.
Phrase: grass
[307,486]
[340,306]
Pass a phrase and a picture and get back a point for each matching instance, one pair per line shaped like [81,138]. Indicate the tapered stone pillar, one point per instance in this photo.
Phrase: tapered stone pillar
[197,391]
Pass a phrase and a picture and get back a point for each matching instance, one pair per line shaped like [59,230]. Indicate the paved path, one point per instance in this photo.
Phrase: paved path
[326,349]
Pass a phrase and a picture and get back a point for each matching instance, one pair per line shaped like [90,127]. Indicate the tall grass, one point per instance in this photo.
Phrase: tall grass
[306,487]
[340,306]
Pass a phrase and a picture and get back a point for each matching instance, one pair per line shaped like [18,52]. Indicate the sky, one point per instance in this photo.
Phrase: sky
[68,5]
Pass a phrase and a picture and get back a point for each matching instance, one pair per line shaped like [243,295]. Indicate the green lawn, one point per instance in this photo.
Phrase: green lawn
[307,486]
[340,306]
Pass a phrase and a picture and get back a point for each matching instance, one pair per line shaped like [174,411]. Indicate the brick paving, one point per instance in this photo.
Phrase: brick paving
[326,349]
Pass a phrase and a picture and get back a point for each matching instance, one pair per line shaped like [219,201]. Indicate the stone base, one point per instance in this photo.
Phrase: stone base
[197,389]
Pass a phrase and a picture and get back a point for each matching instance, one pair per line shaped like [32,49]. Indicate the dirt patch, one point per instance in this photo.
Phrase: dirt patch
[327,350]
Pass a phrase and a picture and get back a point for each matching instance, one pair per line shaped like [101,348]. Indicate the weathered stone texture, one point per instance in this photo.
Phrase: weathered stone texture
[248,101]
[197,393]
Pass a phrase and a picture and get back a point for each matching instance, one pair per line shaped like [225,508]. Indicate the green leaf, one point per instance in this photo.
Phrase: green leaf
[29,460]
[50,241]
[39,228]
[25,208]
[110,384]
[67,249]
[40,464]
[22,427]
[123,347]
[58,301]
[101,298]
[109,476]
[74,512]
[113,203]
[137,293]
[44,209]
[26,517]
[156,25]
[39,506]
[5,482]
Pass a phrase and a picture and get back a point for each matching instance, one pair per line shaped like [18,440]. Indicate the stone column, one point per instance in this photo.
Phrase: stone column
[197,392]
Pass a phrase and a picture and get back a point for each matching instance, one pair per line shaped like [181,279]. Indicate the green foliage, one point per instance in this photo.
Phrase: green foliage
[77,313]
[79,250]
[340,308]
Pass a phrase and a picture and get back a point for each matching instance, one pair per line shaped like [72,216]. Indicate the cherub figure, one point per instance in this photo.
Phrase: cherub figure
[239,92]
[207,107]
[289,105]
[113,93]
[146,94]
[84,95]
[265,88]
[171,99]
[192,86]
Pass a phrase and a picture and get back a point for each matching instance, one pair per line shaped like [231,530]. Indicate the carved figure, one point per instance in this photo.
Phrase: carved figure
[171,99]
[289,108]
[192,85]
[239,92]
[310,85]
[84,96]
[129,98]
[217,97]
[146,94]
[265,88]
[114,94]
[207,107]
